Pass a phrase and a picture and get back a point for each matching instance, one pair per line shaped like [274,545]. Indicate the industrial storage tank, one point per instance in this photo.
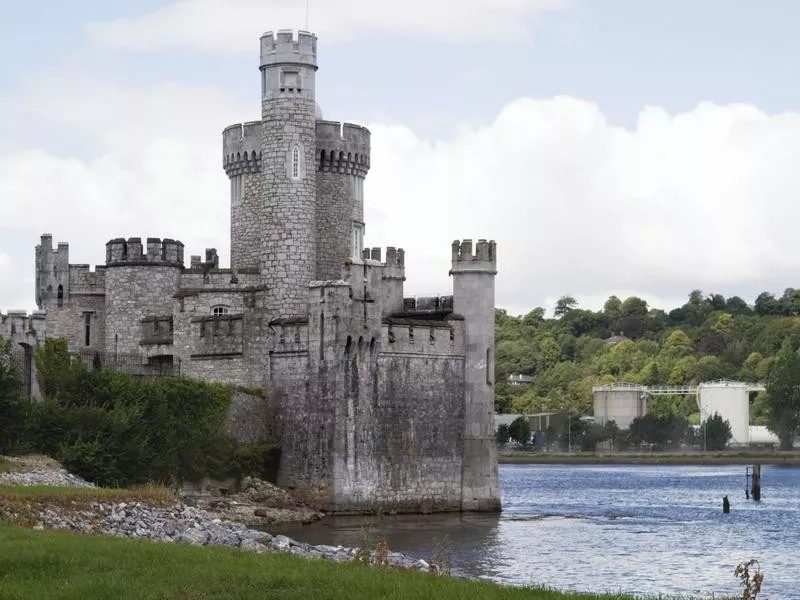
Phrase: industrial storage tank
[731,399]
[619,402]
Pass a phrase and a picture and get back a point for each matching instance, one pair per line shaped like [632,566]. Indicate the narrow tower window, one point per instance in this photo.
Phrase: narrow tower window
[87,329]
[60,296]
[236,190]
[295,163]
[358,240]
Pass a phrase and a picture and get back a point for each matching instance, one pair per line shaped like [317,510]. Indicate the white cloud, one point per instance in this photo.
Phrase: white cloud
[230,25]
[706,199]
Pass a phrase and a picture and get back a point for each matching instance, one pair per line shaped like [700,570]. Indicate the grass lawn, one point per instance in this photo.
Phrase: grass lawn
[60,565]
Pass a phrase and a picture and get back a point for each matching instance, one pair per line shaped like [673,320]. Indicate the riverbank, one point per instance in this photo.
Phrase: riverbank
[35,564]
[651,458]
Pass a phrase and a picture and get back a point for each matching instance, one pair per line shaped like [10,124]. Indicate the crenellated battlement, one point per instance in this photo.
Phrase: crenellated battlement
[241,148]
[122,252]
[23,328]
[484,255]
[343,148]
[395,257]
[288,46]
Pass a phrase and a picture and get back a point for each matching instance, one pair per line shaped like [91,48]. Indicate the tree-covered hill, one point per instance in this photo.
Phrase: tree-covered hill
[710,337]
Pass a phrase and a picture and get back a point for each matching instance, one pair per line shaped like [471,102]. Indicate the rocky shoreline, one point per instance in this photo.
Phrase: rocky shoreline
[181,523]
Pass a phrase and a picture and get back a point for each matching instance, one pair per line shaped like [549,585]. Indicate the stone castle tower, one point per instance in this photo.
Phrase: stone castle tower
[381,400]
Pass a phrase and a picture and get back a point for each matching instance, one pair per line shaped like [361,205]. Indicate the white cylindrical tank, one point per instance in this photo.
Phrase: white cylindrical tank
[621,403]
[731,400]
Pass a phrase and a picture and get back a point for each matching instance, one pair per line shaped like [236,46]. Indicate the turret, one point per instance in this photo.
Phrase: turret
[342,163]
[52,274]
[241,159]
[473,299]
[286,220]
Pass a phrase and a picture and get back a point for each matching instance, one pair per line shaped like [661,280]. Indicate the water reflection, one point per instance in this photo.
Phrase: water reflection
[639,529]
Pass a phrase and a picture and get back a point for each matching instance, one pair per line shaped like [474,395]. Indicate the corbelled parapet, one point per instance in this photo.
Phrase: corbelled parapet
[288,48]
[241,148]
[122,252]
[343,148]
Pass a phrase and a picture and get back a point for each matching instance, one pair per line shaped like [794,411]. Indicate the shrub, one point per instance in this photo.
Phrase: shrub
[502,435]
[716,431]
[12,402]
[116,430]
[520,431]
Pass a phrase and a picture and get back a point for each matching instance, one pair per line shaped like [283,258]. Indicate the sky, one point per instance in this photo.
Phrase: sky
[608,146]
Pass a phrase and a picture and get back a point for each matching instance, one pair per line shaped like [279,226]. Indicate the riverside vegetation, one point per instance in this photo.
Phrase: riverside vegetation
[710,337]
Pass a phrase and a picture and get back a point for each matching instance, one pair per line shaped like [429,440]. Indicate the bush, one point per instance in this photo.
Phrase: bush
[502,435]
[12,401]
[117,430]
[715,433]
[520,431]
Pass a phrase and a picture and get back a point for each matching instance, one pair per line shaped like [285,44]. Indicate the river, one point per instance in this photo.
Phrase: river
[609,528]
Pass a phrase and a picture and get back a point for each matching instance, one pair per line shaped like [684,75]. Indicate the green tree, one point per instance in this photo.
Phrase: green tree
[564,305]
[11,398]
[767,304]
[783,390]
[520,431]
[502,435]
[737,306]
[716,432]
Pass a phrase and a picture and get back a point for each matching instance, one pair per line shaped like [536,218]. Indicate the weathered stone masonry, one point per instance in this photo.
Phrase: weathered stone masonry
[379,399]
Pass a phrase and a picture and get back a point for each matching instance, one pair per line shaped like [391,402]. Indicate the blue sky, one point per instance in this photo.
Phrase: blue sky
[610,146]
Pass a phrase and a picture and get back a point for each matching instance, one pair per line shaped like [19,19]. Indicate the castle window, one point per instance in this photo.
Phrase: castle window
[358,240]
[237,191]
[60,296]
[295,163]
[220,309]
[87,329]
[489,366]
[290,80]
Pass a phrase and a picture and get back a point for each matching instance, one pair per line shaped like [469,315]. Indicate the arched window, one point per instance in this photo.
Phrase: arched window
[295,163]
[219,310]
[60,296]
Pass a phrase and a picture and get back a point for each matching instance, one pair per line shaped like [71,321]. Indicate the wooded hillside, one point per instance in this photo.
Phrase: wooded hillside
[709,337]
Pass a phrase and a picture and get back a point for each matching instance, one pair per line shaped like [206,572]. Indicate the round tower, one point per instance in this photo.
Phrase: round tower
[141,280]
[342,165]
[287,220]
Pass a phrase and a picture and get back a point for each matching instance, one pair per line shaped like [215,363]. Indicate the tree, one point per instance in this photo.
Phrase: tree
[11,398]
[502,435]
[716,432]
[783,391]
[520,431]
[767,304]
[564,305]
[737,306]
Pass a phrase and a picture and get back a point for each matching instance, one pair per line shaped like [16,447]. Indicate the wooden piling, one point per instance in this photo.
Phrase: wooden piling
[756,484]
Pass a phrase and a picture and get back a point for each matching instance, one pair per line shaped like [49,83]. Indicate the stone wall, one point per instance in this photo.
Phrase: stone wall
[134,292]
[288,220]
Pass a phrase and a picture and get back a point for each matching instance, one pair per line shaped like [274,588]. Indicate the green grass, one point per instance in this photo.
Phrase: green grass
[60,565]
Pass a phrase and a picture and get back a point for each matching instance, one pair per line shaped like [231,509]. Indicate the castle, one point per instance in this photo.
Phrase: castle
[381,400]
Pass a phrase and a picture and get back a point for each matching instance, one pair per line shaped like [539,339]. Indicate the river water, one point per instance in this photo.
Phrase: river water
[609,528]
